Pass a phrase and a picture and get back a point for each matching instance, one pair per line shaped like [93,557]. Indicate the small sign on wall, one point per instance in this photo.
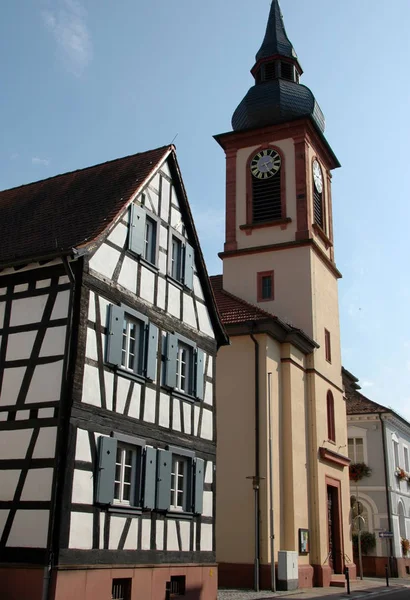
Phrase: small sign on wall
[304,541]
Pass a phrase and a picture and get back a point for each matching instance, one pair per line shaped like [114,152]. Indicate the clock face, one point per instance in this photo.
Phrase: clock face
[317,176]
[265,164]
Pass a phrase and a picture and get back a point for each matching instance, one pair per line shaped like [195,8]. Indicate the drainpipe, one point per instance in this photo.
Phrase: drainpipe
[256,479]
[388,502]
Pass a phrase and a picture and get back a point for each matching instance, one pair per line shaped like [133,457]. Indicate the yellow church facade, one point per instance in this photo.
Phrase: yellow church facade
[282,468]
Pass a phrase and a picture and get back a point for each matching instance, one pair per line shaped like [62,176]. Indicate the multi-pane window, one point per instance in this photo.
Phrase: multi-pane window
[265,289]
[125,467]
[179,483]
[150,240]
[131,331]
[184,368]
[176,258]
[355,449]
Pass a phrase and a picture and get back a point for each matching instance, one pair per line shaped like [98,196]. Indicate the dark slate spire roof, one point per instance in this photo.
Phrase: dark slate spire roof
[276,40]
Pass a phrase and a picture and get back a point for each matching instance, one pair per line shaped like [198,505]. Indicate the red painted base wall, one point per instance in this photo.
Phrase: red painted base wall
[96,583]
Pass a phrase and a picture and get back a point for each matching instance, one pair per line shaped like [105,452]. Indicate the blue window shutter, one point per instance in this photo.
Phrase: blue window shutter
[199,375]
[152,347]
[164,465]
[114,349]
[150,477]
[107,454]
[199,470]
[137,229]
[171,363]
[189,266]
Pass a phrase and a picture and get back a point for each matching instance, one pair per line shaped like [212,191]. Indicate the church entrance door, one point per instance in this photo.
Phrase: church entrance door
[334,529]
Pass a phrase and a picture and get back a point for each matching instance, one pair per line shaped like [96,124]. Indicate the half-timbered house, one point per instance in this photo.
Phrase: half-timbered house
[108,335]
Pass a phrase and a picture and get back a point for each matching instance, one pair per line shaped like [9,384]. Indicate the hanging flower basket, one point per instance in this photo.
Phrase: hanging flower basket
[405,546]
[359,470]
[401,474]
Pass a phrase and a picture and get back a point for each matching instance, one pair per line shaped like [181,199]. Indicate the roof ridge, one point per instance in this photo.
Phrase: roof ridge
[106,162]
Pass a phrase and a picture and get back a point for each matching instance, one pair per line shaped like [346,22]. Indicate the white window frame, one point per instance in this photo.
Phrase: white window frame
[176,264]
[188,362]
[137,347]
[123,449]
[150,234]
[358,432]
[355,439]
[180,466]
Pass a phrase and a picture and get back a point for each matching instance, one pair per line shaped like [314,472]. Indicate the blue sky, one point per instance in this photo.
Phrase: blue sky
[84,82]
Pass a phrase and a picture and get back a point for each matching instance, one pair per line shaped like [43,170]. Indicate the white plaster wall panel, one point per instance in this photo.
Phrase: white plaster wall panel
[60,309]
[82,447]
[196,420]
[126,216]
[149,409]
[45,385]
[131,541]
[37,486]
[207,509]
[176,415]
[172,541]
[109,388]
[153,201]
[9,480]
[91,345]
[2,307]
[185,528]
[46,443]
[128,275]
[27,310]
[208,396]
[163,410]
[210,369]
[46,413]
[63,280]
[162,263]
[165,200]
[155,181]
[102,524]
[209,472]
[163,237]
[3,518]
[204,320]
[206,537]
[14,443]
[188,311]
[43,283]
[116,529]
[29,529]
[159,535]
[22,415]
[145,534]
[165,169]
[104,310]
[22,287]
[147,285]
[118,235]
[176,219]
[123,386]
[83,486]
[12,379]
[162,286]
[4,415]
[174,300]
[20,345]
[3,291]
[198,288]
[81,531]
[187,418]
[54,342]
[91,386]
[105,260]
[207,425]
[91,307]
[174,197]
[194,532]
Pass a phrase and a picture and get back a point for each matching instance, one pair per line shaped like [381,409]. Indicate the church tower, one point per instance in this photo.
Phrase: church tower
[278,260]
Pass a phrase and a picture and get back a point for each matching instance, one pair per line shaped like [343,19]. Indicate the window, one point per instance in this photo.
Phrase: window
[287,71]
[396,454]
[267,197]
[177,585]
[179,483]
[331,433]
[183,366]
[328,349]
[318,195]
[176,259]
[131,336]
[406,459]
[181,260]
[132,342]
[125,474]
[265,290]
[143,239]
[121,589]
[355,448]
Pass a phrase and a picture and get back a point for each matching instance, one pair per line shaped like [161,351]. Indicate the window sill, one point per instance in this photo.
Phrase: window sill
[130,375]
[122,509]
[177,283]
[151,266]
[283,223]
[183,396]
[319,231]
[180,514]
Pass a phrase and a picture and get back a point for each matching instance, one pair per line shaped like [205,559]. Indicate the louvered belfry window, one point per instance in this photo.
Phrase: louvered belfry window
[318,207]
[267,201]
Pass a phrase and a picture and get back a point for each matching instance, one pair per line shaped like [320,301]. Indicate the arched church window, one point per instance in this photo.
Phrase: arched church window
[331,430]
[266,172]
[318,195]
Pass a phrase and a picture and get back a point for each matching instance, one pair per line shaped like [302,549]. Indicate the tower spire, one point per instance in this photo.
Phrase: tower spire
[276,41]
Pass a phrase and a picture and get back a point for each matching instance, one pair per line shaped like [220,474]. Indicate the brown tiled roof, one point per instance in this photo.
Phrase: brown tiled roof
[357,404]
[69,210]
[232,309]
